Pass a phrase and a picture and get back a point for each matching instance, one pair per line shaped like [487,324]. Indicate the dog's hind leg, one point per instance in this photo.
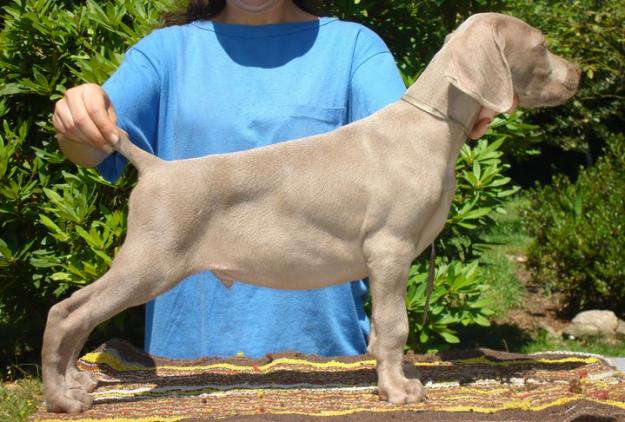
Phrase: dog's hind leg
[389,264]
[75,378]
[130,281]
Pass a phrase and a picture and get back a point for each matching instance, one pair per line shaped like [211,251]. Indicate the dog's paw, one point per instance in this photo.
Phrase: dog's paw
[85,380]
[404,391]
[72,400]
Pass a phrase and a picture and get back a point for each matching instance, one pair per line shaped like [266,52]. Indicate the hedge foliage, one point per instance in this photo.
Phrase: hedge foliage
[59,225]
[579,231]
[589,32]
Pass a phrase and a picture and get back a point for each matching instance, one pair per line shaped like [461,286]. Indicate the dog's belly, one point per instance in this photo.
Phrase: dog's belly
[284,254]
[296,276]
[291,270]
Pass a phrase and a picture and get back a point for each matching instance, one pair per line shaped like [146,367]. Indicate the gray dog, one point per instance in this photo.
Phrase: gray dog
[361,201]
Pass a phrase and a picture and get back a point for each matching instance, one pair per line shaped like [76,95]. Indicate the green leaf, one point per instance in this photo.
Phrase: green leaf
[56,231]
[480,320]
[12,89]
[449,337]
[61,276]
[5,251]
[107,259]
[447,319]
[88,237]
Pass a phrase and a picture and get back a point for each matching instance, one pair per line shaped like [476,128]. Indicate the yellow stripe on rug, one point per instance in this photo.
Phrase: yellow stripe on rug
[118,364]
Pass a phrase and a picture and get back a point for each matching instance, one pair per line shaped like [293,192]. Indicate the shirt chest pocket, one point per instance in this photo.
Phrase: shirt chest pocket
[285,122]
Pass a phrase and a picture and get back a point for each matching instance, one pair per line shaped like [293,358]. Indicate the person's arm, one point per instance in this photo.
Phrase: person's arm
[375,79]
[86,119]
[134,90]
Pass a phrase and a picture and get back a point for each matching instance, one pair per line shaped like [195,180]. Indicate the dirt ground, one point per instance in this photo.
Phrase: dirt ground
[539,310]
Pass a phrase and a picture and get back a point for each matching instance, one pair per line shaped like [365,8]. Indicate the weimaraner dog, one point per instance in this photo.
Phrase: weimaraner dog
[361,201]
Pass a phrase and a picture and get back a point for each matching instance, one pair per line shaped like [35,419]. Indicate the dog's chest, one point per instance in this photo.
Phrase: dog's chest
[439,213]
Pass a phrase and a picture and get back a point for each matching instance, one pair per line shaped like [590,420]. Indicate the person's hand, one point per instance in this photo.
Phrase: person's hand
[485,117]
[85,122]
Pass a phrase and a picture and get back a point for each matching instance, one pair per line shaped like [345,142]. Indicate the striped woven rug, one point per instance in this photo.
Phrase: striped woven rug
[479,385]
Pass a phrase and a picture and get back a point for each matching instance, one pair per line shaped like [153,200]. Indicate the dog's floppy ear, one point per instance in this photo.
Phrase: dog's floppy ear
[478,67]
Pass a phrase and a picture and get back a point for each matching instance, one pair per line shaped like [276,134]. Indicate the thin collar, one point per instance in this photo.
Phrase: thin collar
[433,111]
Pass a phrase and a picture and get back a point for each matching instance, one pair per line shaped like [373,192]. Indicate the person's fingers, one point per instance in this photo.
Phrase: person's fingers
[102,114]
[62,117]
[486,116]
[57,122]
[111,111]
[64,122]
[515,104]
[480,128]
[83,127]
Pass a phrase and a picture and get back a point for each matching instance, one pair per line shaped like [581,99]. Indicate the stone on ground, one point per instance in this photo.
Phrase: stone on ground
[597,323]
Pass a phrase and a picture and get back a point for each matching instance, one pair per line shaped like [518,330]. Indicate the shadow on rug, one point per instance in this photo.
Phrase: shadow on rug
[479,385]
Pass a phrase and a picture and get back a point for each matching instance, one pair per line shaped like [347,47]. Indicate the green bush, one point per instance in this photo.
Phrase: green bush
[589,32]
[579,230]
[61,225]
[457,299]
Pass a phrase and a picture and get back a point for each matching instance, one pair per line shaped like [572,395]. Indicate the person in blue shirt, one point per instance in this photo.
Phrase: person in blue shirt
[229,76]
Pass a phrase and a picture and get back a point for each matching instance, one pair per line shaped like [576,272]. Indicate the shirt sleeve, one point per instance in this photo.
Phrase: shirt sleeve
[375,79]
[134,90]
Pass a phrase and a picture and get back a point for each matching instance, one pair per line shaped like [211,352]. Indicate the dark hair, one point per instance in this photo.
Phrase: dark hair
[206,9]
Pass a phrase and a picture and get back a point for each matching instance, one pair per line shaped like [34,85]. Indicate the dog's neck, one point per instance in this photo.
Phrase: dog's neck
[433,94]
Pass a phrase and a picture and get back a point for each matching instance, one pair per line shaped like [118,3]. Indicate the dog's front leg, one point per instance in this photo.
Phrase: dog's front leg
[389,264]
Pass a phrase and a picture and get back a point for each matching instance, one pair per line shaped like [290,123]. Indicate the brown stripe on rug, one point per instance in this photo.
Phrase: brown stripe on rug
[477,385]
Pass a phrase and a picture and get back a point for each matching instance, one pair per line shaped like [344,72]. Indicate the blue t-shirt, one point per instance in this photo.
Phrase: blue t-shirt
[206,88]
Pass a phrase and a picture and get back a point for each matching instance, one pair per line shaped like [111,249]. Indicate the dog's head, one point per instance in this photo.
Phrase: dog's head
[492,57]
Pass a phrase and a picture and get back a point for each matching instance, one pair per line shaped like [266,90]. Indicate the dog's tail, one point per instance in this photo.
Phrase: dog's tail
[139,158]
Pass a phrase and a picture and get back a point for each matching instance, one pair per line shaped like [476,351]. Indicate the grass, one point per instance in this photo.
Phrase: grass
[19,399]
[511,338]
[505,291]
[509,232]
[510,238]
[542,342]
